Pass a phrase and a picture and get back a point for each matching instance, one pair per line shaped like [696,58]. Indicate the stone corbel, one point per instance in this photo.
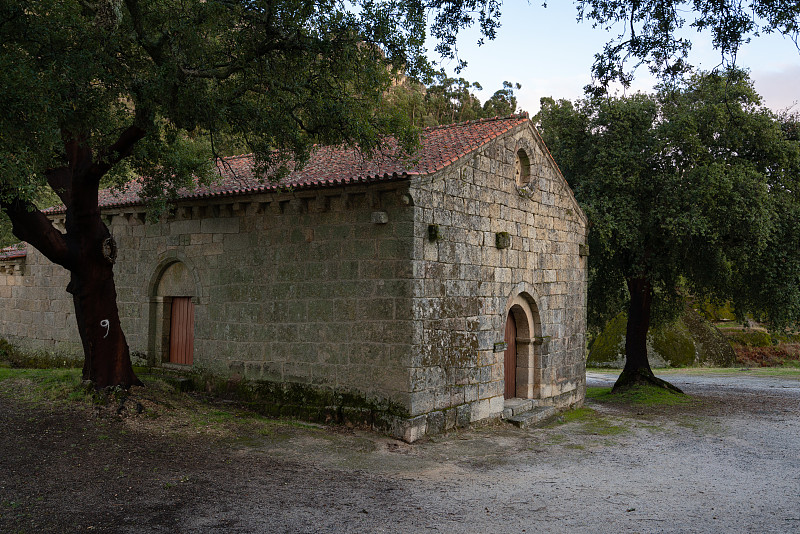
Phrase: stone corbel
[540,340]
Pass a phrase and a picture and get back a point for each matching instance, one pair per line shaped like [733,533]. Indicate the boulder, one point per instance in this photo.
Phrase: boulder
[688,341]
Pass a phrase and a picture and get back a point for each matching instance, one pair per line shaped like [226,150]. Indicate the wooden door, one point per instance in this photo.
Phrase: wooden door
[181,331]
[511,357]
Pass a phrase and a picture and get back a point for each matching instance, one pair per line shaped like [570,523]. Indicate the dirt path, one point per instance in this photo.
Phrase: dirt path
[727,462]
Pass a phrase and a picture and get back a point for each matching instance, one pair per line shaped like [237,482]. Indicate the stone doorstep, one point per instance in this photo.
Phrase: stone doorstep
[516,406]
[532,417]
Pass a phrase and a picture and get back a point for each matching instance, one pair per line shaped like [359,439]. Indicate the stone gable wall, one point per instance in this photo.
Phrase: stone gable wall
[464,284]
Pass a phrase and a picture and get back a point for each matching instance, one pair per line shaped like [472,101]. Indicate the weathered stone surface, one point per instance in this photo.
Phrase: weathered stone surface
[532,417]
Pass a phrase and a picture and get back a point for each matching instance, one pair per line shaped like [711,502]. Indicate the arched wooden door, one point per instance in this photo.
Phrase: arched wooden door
[511,358]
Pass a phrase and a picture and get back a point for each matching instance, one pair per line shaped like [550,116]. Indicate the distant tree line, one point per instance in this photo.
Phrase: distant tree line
[447,100]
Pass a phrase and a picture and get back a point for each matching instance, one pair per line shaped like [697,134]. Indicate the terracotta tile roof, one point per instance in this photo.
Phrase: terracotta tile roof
[328,166]
[439,147]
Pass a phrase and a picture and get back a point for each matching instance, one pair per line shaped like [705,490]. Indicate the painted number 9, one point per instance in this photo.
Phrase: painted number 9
[105,324]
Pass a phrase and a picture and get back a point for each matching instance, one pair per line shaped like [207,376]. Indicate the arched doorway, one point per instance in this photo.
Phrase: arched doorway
[522,357]
[172,314]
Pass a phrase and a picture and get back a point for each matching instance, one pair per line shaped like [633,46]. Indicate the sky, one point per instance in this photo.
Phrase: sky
[550,54]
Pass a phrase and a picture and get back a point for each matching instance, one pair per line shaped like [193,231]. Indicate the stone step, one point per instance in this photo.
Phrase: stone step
[516,406]
[532,417]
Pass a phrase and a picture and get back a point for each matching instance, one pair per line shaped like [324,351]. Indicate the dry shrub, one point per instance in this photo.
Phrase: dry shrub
[772,356]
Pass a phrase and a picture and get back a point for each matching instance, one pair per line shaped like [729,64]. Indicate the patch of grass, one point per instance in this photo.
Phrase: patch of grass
[581,414]
[792,370]
[36,385]
[639,395]
[590,422]
[555,439]
[602,427]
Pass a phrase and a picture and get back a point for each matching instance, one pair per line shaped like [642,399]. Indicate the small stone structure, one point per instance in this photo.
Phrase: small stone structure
[380,289]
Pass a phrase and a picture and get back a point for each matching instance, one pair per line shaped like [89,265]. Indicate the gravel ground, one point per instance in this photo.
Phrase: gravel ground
[728,461]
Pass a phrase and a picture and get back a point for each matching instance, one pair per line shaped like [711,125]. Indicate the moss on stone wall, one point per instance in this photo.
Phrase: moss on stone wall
[300,401]
[690,340]
[38,359]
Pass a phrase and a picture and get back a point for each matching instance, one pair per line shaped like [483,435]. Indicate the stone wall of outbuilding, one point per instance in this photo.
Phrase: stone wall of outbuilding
[37,312]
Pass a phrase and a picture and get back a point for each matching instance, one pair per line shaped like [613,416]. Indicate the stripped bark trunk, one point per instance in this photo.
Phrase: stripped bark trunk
[107,359]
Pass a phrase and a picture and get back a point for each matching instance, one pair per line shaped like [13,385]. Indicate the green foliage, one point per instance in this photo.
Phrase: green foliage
[652,32]
[713,311]
[201,78]
[446,101]
[694,188]
[6,237]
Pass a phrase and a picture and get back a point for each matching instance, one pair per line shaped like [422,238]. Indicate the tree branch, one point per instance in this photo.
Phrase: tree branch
[154,47]
[60,181]
[116,152]
[31,225]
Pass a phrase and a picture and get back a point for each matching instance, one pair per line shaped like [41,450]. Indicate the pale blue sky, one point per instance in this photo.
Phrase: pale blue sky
[550,54]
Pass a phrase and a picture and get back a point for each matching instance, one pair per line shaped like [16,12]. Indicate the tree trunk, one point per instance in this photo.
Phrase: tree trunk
[107,359]
[93,250]
[637,367]
[87,250]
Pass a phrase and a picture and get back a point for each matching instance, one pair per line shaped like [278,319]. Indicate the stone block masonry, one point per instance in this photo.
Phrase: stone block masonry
[497,240]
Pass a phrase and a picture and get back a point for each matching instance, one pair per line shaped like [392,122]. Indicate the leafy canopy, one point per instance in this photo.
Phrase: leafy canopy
[272,77]
[694,188]
[651,33]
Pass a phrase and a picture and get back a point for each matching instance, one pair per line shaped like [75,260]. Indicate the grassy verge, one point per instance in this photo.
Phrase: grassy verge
[638,396]
[783,372]
[159,405]
[36,385]
[589,422]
